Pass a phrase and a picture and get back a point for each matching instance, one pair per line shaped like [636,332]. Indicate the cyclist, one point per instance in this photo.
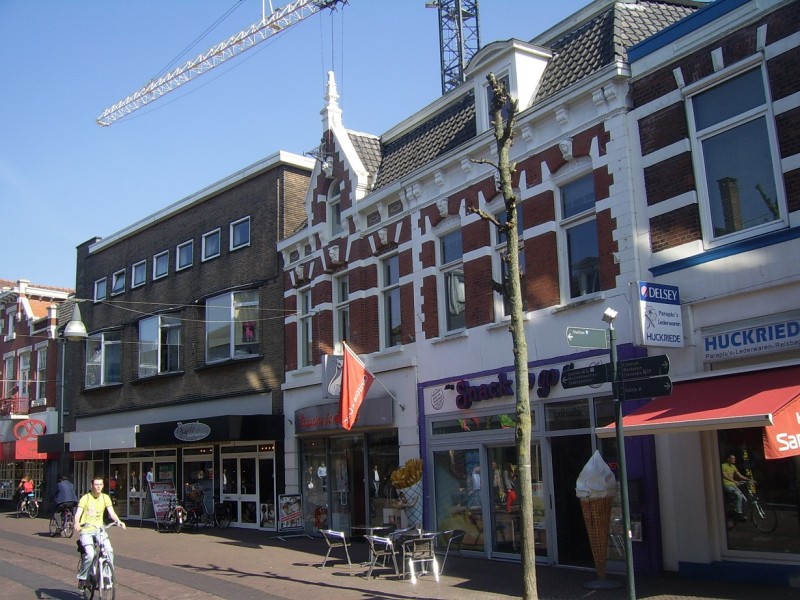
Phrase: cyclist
[25,489]
[731,477]
[64,497]
[89,520]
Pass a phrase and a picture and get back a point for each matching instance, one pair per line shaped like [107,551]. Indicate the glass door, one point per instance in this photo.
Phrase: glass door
[459,498]
[240,486]
[347,480]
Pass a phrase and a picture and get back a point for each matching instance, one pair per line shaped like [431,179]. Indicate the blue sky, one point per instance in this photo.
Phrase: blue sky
[64,179]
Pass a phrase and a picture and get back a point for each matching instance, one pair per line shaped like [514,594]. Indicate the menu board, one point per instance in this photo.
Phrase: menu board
[161,493]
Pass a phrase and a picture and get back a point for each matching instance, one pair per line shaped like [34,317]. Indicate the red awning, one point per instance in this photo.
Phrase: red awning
[727,402]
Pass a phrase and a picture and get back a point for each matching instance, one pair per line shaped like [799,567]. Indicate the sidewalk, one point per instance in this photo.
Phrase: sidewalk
[236,563]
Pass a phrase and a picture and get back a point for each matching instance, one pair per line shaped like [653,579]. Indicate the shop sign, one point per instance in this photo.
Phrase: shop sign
[782,438]
[660,314]
[467,393]
[27,434]
[751,339]
[192,432]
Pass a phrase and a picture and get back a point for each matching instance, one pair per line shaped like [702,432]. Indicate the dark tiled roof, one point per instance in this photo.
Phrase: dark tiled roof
[445,131]
[604,40]
[368,148]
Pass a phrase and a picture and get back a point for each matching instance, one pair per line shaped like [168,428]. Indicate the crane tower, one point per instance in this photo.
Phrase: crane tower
[459,38]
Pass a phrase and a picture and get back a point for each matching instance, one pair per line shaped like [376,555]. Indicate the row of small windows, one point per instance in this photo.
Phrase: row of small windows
[232,331]
[211,247]
[17,375]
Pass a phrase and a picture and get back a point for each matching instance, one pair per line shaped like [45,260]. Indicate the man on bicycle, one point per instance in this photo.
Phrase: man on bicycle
[65,494]
[89,521]
[731,477]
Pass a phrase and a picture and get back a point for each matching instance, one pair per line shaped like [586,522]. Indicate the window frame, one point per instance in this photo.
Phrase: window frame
[99,352]
[140,268]
[206,236]
[569,223]
[9,374]
[233,228]
[341,308]
[730,124]
[179,255]
[40,389]
[101,289]
[161,257]
[334,209]
[389,297]
[118,281]
[232,326]
[449,266]
[24,372]
[305,328]
[164,325]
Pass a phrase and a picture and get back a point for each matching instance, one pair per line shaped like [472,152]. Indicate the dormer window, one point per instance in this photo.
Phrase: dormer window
[506,107]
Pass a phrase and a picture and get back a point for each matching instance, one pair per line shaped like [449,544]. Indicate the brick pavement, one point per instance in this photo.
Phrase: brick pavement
[242,564]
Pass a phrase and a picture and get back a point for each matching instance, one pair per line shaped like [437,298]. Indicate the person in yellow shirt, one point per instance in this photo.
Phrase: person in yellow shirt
[731,477]
[88,523]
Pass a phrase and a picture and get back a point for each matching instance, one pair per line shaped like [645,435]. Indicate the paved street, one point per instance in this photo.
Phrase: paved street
[241,565]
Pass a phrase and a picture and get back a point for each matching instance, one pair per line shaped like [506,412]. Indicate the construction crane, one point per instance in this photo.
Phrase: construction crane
[458,37]
[279,20]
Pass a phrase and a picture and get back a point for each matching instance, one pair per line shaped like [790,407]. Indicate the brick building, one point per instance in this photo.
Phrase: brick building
[180,378]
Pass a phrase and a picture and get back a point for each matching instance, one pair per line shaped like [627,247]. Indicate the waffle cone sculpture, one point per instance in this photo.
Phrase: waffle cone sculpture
[597,517]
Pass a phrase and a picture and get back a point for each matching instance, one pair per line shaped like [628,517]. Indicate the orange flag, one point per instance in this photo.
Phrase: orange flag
[356,380]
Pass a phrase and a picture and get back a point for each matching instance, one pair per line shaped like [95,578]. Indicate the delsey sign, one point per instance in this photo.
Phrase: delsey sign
[660,314]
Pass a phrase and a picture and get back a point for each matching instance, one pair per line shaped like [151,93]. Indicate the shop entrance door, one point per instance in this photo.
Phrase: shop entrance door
[568,456]
[240,488]
[347,480]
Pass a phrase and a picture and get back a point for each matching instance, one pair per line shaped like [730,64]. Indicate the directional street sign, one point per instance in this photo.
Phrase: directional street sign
[572,378]
[638,368]
[584,337]
[646,388]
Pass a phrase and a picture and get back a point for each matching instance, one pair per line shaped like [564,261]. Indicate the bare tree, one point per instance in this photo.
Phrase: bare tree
[512,290]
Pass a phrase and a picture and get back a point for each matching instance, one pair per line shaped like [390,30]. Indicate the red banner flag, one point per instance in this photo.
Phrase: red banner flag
[356,380]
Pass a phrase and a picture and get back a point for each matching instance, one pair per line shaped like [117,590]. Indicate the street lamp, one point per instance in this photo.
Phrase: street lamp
[74,331]
[608,316]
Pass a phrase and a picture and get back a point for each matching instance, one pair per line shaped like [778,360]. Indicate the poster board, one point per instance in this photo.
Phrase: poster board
[290,516]
[160,494]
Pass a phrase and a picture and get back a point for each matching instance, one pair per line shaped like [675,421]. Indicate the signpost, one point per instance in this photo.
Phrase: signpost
[638,368]
[645,388]
[596,374]
[585,337]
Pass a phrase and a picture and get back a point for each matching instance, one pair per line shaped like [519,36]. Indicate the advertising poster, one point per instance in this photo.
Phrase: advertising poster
[290,512]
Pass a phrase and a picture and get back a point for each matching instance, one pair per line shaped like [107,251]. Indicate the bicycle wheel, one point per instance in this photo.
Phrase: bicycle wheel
[55,524]
[33,510]
[69,524]
[765,518]
[222,516]
[107,590]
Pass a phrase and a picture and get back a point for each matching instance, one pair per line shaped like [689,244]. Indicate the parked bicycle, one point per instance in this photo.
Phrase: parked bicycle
[175,516]
[63,520]
[198,513]
[763,516]
[28,506]
[101,579]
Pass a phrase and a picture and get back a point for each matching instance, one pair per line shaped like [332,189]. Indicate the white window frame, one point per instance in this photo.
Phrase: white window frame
[566,225]
[118,282]
[232,321]
[216,233]
[180,253]
[305,328]
[138,274]
[161,346]
[234,226]
[341,308]
[334,204]
[40,390]
[502,307]
[103,353]
[390,308]
[453,301]
[161,260]
[698,137]
[24,372]
[101,289]
[9,374]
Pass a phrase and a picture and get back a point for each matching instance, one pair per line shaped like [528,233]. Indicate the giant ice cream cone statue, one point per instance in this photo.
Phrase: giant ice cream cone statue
[407,480]
[596,487]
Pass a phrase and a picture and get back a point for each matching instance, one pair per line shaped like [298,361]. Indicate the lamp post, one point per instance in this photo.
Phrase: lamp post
[74,331]
[608,316]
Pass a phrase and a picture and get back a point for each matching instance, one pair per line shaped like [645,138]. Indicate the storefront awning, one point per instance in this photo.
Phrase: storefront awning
[104,439]
[727,402]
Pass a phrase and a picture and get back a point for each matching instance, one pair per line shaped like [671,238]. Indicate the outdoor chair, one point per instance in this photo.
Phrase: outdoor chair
[335,539]
[450,541]
[381,548]
[420,551]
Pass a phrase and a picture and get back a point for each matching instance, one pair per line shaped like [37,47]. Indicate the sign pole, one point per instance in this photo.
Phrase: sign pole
[623,471]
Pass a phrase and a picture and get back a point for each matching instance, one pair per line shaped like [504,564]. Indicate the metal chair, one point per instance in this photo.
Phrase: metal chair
[453,539]
[381,548]
[335,539]
[420,551]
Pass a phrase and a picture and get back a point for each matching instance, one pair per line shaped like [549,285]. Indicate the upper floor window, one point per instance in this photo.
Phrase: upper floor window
[161,265]
[579,231]
[501,266]
[341,299]
[118,282]
[9,376]
[103,359]
[305,318]
[24,374]
[504,80]
[240,233]
[736,158]
[232,326]
[159,345]
[451,269]
[138,274]
[335,209]
[184,255]
[211,244]
[100,289]
[390,295]
[41,373]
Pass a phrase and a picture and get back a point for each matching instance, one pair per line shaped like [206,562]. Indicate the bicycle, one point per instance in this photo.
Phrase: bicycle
[198,513]
[28,505]
[101,579]
[63,520]
[763,516]
[175,516]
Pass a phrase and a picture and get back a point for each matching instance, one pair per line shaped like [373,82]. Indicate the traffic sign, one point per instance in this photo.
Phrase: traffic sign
[645,388]
[638,368]
[572,378]
[585,337]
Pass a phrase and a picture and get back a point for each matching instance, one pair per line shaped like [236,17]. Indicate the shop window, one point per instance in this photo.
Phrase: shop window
[232,326]
[570,414]
[390,296]
[451,268]
[474,424]
[103,359]
[458,505]
[735,154]
[159,345]
[579,237]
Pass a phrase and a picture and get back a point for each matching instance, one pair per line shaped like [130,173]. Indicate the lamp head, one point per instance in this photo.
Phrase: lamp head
[609,315]
[75,331]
